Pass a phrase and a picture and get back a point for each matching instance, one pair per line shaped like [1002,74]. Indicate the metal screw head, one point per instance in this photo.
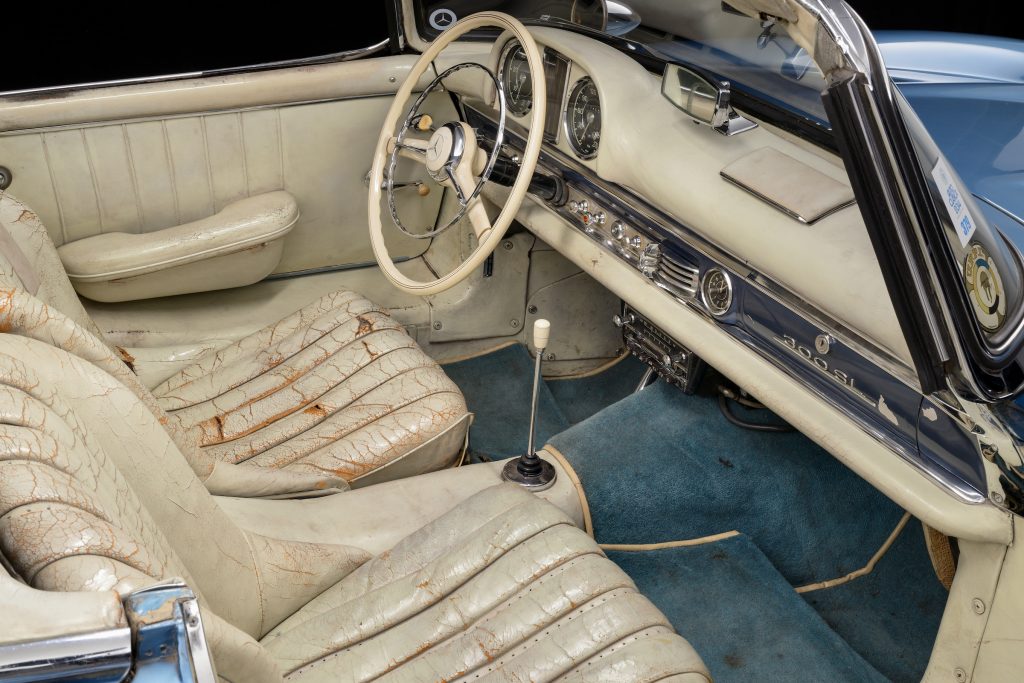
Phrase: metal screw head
[823,343]
[549,356]
[508,245]
[978,606]
[391,79]
[514,322]
[959,675]
[437,325]
[5,177]
[531,309]
[997,498]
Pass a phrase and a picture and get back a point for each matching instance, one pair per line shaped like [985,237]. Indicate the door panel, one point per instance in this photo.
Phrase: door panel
[143,175]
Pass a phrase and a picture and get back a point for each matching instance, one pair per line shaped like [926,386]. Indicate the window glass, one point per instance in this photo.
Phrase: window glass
[67,50]
[758,60]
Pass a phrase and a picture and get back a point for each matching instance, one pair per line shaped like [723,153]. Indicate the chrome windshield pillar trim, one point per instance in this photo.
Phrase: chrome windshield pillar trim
[96,656]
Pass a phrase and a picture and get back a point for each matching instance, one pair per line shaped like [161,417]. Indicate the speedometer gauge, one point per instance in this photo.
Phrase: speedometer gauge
[583,119]
[516,80]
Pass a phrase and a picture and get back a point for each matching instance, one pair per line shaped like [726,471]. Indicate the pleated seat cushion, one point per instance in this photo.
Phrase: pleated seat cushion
[338,387]
[502,588]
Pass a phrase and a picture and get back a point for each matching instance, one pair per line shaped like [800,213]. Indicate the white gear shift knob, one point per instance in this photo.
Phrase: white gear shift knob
[541,333]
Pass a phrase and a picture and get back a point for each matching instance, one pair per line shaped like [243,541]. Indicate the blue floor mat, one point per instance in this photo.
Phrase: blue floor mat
[741,615]
[663,466]
[582,397]
[891,615]
[498,387]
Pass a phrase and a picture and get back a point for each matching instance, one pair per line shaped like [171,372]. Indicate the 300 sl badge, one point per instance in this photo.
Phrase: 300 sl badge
[985,288]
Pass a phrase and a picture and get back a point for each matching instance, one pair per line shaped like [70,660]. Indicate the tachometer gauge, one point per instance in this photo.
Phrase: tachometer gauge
[516,81]
[583,119]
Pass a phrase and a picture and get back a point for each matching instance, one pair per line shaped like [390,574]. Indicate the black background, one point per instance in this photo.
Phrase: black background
[55,45]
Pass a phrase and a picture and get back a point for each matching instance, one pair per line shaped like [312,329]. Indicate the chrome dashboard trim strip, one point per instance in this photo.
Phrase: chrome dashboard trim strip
[550,161]
[708,249]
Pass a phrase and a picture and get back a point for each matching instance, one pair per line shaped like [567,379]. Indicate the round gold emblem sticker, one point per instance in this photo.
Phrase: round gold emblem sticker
[985,288]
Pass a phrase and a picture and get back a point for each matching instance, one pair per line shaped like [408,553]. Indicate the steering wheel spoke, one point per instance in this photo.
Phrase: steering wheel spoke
[410,148]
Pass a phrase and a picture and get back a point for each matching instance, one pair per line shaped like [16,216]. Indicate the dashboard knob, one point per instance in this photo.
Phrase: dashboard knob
[584,206]
[599,217]
[635,241]
[622,320]
[650,260]
[618,230]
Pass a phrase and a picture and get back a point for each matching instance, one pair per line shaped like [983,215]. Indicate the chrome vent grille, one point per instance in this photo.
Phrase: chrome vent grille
[677,276]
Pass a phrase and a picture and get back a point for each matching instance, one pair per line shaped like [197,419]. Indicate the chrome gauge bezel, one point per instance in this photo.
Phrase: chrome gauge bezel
[566,127]
[713,309]
[506,56]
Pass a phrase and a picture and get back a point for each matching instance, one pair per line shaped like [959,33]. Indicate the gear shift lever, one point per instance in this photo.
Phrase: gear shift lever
[530,470]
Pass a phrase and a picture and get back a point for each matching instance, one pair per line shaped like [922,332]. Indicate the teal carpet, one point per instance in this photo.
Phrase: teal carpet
[498,387]
[583,397]
[663,466]
[892,614]
[743,618]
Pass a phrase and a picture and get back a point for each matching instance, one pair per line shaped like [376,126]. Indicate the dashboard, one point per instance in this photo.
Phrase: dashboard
[573,104]
[806,296]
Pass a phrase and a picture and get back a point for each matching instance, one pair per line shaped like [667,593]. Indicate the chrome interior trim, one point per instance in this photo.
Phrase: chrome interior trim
[345,56]
[98,655]
[784,209]
[708,249]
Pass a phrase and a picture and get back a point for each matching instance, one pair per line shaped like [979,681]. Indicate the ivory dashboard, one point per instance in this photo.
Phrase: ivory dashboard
[611,164]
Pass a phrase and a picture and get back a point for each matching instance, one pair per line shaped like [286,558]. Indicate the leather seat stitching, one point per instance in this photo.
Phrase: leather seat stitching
[438,598]
[362,425]
[220,367]
[521,592]
[280,416]
[523,648]
[237,351]
[292,381]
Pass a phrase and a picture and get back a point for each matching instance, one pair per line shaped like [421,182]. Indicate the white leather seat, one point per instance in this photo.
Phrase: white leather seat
[337,389]
[94,496]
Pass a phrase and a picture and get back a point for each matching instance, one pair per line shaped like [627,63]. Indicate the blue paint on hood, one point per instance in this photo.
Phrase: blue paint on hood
[969,92]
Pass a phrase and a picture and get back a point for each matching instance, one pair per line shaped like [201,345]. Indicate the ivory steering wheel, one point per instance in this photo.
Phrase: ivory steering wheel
[453,157]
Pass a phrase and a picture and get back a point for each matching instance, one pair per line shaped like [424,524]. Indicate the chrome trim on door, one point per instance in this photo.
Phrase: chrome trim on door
[346,56]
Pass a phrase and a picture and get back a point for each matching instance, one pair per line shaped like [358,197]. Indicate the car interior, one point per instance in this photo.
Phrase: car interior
[259,333]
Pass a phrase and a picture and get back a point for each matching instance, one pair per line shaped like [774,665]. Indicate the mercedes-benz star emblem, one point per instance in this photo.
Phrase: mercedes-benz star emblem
[440,19]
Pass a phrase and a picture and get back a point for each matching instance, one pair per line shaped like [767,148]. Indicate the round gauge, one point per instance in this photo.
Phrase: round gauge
[716,291]
[583,119]
[516,81]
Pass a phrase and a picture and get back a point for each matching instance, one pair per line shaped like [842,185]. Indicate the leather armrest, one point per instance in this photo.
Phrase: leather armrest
[239,245]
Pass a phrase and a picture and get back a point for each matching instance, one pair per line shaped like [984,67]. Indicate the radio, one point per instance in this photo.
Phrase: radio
[672,361]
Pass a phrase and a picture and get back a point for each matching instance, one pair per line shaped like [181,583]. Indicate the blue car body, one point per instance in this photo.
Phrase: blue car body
[969,92]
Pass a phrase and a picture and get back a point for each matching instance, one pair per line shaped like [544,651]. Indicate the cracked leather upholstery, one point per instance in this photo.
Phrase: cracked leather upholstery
[335,392]
[502,587]
[336,388]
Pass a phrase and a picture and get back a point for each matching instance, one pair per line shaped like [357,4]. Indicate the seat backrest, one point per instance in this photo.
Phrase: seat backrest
[38,301]
[29,261]
[94,495]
